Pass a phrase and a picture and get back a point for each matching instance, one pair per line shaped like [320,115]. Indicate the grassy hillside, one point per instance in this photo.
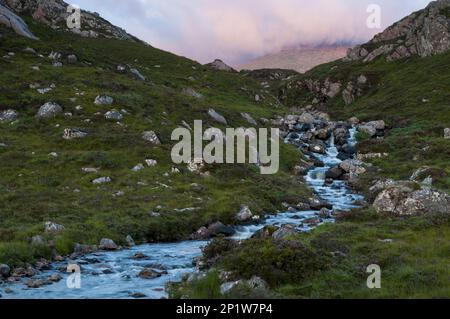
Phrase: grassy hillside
[36,187]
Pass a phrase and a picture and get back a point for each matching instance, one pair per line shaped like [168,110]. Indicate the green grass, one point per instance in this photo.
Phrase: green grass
[35,188]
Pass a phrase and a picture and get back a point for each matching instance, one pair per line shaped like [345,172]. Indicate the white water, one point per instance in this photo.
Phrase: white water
[115,274]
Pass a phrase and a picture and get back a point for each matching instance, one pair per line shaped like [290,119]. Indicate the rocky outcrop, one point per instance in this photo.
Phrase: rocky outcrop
[221,66]
[423,33]
[54,14]
[406,199]
[13,21]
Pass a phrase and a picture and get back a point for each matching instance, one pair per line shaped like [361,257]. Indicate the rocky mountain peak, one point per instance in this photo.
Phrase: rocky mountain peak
[54,14]
[423,33]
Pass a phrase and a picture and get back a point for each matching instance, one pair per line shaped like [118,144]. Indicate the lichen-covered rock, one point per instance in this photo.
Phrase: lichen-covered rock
[113,116]
[8,116]
[49,110]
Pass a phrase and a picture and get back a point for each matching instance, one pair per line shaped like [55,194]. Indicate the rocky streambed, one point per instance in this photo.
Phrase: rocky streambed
[143,271]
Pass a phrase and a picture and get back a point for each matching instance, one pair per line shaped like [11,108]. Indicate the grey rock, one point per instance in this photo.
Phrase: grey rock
[244,215]
[217,117]
[5,270]
[13,21]
[148,273]
[130,241]
[150,136]
[137,74]
[74,133]
[284,231]
[102,180]
[221,66]
[108,244]
[53,228]
[113,116]
[49,110]
[8,116]
[103,100]
[249,119]
[447,133]
[72,59]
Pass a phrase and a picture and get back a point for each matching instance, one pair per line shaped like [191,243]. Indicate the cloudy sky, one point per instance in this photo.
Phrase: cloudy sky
[239,30]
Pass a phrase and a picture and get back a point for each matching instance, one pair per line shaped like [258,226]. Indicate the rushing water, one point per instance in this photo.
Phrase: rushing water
[115,274]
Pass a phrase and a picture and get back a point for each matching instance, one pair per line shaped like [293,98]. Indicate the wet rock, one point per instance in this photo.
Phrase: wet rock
[102,180]
[323,134]
[149,273]
[55,278]
[217,117]
[53,228]
[103,100]
[5,270]
[306,118]
[150,136]
[244,215]
[130,241]
[341,134]
[334,173]
[114,116]
[83,249]
[265,232]
[137,295]
[313,221]
[26,271]
[317,204]
[37,283]
[8,116]
[108,244]
[284,231]
[218,228]
[49,110]
[317,148]
[138,256]
[303,168]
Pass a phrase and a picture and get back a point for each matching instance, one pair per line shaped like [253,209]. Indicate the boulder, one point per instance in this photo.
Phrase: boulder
[102,180]
[74,133]
[447,133]
[72,59]
[150,136]
[5,270]
[317,148]
[148,273]
[103,100]
[49,110]
[108,244]
[129,240]
[249,119]
[352,166]
[317,204]
[53,228]
[334,173]
[244,215]
[13,21]
[218,228]
[306,118]
[217,117]
[284,231]
[138,74]
[8,116]
[402,200]
[114,116]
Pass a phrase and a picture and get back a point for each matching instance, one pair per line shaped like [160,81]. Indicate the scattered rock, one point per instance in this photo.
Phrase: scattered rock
[108,244]
[137,74]
[149,273]
[150,136]
[102,180]
[130,241]
[244,215]
[352,166]
[114,116]
[249,119]
[284,231]
[217,117]
[53,228]
[72,59]
[447,133]
[74,133]
[49,110]
[8,116]
[103,100]
[138,167]
[5,270]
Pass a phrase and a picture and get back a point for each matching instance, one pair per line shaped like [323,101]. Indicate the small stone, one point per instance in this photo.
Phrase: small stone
[151,162]
[150,136]
[447,133]
[74,133]
[114,116]
[138,168]
[217,117]
[102,180]
[49,110]
[103,100]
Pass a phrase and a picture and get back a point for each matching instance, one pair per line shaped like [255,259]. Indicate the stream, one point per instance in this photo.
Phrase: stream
[114,274]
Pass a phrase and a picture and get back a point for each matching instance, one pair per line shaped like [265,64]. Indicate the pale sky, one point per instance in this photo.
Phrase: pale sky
[239,30]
